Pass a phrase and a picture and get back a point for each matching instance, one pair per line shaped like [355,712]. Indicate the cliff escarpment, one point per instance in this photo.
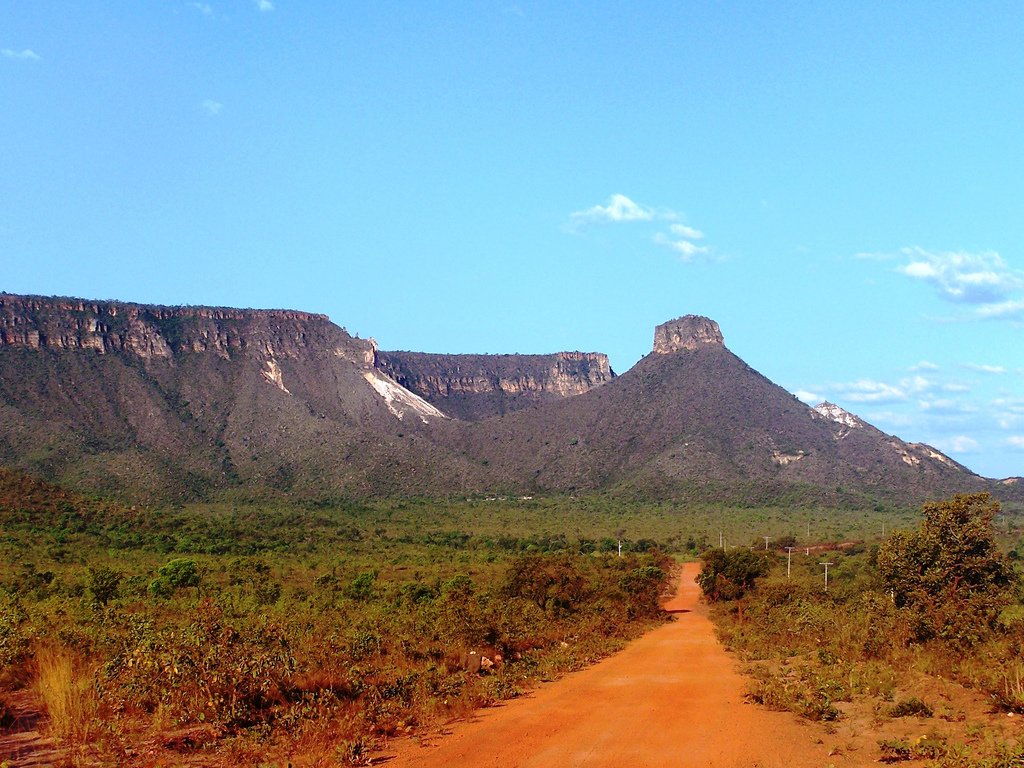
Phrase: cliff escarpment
[189,401]
[475,387]
[155,332]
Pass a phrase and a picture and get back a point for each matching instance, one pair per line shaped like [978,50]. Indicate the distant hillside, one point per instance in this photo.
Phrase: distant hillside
[189,402]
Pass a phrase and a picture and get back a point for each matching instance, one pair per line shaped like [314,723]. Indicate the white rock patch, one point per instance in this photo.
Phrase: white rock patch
[273,375]
[400,400]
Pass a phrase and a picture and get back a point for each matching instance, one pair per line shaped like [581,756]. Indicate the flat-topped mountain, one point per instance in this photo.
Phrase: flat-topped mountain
[187,402]
[474,387]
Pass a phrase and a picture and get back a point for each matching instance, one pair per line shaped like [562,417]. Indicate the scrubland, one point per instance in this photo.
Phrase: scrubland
[914,651]
[269,632]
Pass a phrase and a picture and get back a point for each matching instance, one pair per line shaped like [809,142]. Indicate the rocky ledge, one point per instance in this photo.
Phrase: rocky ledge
[686,333]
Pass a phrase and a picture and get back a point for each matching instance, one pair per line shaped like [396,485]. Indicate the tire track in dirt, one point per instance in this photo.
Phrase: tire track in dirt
[671,698]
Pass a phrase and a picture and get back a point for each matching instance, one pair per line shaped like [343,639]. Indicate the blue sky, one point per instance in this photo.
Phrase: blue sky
[839,185]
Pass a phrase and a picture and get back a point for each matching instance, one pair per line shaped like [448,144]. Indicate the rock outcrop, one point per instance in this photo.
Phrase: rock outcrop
[156,332]
[474,387]
[686,333]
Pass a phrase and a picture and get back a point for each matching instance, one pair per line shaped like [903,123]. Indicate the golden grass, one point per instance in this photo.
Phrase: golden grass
[66,689]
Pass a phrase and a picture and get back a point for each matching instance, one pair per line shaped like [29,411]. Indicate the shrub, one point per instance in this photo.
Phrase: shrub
[912,707]
[728,575]
[176,574]
[949,573]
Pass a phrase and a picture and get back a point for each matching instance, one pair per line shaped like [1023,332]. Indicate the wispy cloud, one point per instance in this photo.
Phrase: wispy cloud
[211,107]
[946,406]
[26,54]
[264,6]
[961,276]
[1003,310]
[686,249]
[619,209]
[983,280]
[810,398]
[1016,442]
[203,8]
[924,365]
[680,238]
[993,369]
[958,444]
[868,391]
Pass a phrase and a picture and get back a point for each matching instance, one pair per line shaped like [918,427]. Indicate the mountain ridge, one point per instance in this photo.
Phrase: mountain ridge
[187,402]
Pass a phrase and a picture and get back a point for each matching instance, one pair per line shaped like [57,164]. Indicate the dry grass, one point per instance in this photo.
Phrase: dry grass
[65,687]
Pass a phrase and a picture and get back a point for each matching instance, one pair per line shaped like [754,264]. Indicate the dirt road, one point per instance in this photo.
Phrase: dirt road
[671,698]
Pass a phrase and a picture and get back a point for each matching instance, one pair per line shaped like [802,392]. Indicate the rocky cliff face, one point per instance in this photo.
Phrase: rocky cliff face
[686,333]
[154,332]
[474,387]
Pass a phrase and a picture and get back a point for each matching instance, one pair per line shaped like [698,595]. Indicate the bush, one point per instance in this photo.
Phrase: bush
[728,575]
[949,573]
[176,574]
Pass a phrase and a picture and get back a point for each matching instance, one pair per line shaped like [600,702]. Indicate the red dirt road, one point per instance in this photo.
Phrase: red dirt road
[670,698]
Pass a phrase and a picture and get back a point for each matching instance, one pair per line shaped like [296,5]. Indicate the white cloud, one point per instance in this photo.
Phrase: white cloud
[211,107]
[264,6]
[963,277]
[994,369]
[1016,441]
[1010,310]
[889,419]
[686,249]
[689,233]
[867,391]
[808,397]
[26,54]
[958,444]
[946,406]
[619,209]
[924,365]
[915,385]
[203,8]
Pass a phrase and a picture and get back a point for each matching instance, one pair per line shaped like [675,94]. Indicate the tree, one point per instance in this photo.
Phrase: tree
[102,583]
[174,575]
[949,573]
[728,575]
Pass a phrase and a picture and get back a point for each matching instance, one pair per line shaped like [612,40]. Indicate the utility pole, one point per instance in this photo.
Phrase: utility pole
[826,573]
[766,540]
[789,561]
[721,540]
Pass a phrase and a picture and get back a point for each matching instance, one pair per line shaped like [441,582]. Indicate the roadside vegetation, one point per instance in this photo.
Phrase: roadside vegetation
[266,632]
[917,641]
[304,635]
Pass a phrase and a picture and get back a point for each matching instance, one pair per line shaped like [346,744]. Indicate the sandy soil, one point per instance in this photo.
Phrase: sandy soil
[671,698]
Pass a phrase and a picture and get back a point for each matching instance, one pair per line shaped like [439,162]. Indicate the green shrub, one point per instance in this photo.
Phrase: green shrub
[912,707]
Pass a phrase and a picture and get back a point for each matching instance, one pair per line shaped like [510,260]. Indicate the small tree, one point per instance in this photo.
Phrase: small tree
[949,572]
[728,575]
[102,584]
[174,575]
